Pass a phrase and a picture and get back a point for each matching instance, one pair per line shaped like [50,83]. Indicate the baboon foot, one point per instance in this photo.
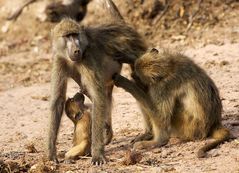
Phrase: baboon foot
[54,159]
[143,137]
[201,154]
[52,156]
[148,144]
[98,160]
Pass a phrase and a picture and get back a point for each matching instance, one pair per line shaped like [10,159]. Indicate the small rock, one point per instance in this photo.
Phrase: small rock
[214,153]
[5,27]
[131,157]
[223,63]
[164,154]
[31,148]
[169,169]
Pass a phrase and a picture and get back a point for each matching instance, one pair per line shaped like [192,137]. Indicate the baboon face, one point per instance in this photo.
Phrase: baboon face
[75,106]
[75,45]
[69,40]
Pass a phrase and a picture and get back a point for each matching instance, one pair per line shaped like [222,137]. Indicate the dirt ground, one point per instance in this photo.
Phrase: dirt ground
[211,40]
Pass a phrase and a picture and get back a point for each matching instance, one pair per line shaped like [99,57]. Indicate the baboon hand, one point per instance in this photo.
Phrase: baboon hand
[98,160]
[117,78]
[201,154]
[120,57]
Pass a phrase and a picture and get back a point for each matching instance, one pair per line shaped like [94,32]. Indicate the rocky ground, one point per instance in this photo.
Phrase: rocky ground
[208,32]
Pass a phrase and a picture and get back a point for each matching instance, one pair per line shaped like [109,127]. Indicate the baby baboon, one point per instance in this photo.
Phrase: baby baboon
[80,115]
[86,55]
[181,100]
[77,111]
[75,10]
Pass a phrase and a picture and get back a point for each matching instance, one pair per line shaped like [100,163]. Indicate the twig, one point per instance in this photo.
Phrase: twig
[234,123]
[193,16]
[18,11]
[84,157]
[158,18]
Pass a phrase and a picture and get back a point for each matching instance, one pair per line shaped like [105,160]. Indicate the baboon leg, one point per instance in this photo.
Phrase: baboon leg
[100,106]
[58,96]
[78,150]
[161,137]
[147,135]
[108,132]
[160,126]
[144,100]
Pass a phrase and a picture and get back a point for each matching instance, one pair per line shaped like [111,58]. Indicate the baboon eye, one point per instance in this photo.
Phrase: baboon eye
[72,35]
[154,50]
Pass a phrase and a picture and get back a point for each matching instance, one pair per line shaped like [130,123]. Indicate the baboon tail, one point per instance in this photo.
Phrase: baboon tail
[113,10]
[220,135]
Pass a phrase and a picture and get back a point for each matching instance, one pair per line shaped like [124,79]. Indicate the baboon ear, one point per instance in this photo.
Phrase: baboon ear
[154,50]
[67,101]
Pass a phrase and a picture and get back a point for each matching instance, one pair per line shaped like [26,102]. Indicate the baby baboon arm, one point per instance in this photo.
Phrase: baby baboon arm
[58,95]
[71,117]
[69,113]
[133,89]
[108,132]
[78,150]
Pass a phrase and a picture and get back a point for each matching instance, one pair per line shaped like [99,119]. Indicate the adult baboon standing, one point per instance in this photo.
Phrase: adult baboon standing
[86,55]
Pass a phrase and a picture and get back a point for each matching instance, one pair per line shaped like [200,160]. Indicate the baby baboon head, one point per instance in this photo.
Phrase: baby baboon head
[74,107]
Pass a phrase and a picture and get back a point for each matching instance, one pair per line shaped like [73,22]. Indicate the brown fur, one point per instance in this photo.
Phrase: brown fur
[87,57]
[181,100]
[75,10]
[80,116]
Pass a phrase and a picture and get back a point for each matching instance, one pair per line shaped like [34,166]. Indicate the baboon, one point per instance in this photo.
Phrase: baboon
[79,114]
[77,9]
[86,55]
[181,100]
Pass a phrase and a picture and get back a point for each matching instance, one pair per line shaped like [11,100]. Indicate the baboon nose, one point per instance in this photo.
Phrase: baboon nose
[77,52]
[75,55]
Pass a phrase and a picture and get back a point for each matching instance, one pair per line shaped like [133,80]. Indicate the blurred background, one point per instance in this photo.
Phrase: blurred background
[205,30]
[163,23]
